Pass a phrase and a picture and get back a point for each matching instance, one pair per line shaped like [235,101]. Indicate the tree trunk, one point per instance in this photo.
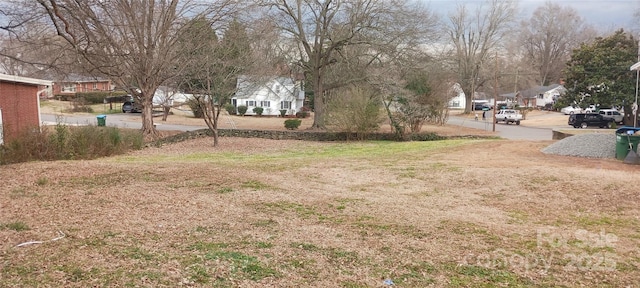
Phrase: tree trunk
[165,112]
[149,131]
[318,102]
[468,98]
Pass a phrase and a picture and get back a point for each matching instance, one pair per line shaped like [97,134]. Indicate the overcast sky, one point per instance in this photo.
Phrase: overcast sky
[606,15]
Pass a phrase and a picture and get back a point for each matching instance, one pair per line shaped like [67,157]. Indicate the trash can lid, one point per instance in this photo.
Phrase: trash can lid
[627,130]
[102,116]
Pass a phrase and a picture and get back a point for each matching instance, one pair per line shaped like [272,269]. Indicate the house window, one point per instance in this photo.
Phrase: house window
[265,104]
[285,105]
[540,96]
[277,88]
[95,86]
[251,103]
[68,87]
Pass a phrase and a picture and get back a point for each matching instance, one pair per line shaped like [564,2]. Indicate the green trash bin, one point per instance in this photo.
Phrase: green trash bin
[102,120]
[622,145]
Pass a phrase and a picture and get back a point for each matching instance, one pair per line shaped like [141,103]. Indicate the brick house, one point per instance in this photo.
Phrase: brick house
[77,84]
[20,104]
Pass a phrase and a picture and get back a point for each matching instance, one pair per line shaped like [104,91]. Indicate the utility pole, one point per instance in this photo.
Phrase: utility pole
[635,105]
[495,95]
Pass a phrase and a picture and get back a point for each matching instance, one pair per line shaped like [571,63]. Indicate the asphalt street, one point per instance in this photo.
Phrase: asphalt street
[117,120]
[507,131]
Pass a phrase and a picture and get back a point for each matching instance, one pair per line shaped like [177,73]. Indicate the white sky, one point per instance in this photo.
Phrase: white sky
[605,15]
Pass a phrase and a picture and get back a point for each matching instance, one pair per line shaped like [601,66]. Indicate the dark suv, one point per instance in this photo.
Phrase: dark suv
[131,106]
[590,119]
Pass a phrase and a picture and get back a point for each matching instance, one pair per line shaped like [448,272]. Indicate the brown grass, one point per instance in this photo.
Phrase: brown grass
[263,213]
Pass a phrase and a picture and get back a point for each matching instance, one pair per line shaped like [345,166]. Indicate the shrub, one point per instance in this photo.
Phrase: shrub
[98,97]
[242,110]
[196,107]
[283,112]
[79,104]
[258,110]
[66,143]
[292,124]
[230,109]
[357,111]
[64,97]
[302,114]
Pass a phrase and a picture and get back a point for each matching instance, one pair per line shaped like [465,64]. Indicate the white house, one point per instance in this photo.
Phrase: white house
[170,96]
[540,96]
[459,101]
[272,94]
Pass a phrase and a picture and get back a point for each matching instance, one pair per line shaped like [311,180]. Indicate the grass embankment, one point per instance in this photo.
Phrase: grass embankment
[256,213]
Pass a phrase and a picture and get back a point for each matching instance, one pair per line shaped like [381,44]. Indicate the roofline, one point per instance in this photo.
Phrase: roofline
[635,67]
[26,80]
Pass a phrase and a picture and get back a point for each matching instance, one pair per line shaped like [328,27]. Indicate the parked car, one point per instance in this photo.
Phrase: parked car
[591,109]
[584,120]
[613,114]
[481,106]
[131,106]
[570,110]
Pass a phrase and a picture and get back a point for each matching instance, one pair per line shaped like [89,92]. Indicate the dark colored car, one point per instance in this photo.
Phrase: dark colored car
[131,106]
[585,120]
[481,106]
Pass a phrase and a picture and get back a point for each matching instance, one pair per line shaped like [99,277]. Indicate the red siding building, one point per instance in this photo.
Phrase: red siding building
[20,104]
[77,84]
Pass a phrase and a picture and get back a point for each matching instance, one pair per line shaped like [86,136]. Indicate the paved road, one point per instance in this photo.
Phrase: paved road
[515,132]
[508,131]
[118,120]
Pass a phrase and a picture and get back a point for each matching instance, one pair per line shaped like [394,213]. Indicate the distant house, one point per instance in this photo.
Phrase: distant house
[272,94]
[538,96]
[168,96]
[73,84]
[459,101]
[20,104]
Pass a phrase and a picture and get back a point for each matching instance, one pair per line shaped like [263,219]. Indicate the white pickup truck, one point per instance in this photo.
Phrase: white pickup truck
[508,116]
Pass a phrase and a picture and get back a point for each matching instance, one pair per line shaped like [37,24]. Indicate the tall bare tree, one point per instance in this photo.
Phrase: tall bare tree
[475,37]
[131,42]
[322,29]
[548,38]
[213,70]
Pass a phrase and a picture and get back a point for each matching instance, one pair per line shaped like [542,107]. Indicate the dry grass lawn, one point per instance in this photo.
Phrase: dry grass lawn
[264,213]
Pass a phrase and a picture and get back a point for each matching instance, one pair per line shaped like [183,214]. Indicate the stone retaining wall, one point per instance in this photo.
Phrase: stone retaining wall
[305,135]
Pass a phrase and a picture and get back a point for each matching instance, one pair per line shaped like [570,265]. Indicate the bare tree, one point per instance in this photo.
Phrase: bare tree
[213,70]
[131,42]
[475,37]
[323,29]
[30,47]
[548,38]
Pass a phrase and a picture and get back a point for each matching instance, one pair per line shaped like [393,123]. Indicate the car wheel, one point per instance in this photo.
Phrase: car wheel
[609,125]
[571,113]
[517,122]
[584,125]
